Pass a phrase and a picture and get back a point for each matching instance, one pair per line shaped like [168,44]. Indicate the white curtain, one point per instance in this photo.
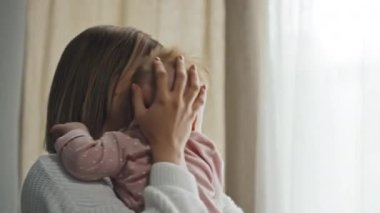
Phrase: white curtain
[303,105]
[318,142]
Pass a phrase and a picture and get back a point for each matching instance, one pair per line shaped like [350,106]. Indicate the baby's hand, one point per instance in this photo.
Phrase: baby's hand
[60,129]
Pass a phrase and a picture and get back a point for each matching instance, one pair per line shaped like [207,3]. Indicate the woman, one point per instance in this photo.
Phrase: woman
[92,86]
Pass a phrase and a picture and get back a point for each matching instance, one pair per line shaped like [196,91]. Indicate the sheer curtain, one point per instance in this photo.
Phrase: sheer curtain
[316,64]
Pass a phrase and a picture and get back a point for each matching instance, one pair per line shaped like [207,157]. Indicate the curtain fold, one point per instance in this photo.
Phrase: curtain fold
[245,32]
[315,64]
[197,27]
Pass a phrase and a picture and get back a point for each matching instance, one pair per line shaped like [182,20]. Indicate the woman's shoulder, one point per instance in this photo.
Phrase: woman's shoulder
[48,188]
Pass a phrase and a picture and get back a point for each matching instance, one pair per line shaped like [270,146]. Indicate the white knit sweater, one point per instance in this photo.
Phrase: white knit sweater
[48,189]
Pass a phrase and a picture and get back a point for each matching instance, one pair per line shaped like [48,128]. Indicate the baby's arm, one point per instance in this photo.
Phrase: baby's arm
[86,158]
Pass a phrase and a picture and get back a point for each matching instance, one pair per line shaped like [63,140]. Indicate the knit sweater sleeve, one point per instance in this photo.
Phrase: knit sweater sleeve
[172,189]
[48,188]
[229,205]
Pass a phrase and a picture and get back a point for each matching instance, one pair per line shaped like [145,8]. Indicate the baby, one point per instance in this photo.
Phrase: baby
[124,155]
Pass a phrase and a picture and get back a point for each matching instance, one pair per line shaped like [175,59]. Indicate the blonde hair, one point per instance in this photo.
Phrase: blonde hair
[88,73]
[168,56]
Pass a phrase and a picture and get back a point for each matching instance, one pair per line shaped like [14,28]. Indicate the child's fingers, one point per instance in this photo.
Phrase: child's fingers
[57,130]
[200,100]
[138,101]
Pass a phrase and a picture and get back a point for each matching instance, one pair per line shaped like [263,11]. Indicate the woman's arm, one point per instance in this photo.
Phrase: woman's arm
[172,189]
[229,205]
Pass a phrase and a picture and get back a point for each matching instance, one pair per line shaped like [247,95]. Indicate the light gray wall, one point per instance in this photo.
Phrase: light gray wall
[12,31]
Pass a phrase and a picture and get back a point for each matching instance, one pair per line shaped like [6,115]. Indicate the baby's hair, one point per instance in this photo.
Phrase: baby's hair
[168,57]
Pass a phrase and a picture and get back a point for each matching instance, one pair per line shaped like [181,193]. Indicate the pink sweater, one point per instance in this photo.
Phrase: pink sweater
[125,158]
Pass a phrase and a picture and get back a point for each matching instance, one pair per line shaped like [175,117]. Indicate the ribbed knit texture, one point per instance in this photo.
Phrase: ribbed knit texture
[49,189]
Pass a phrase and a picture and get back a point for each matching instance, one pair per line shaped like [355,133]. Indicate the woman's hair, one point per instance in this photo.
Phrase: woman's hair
[88,73]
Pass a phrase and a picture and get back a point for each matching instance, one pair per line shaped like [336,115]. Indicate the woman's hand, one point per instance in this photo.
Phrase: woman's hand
[167,123]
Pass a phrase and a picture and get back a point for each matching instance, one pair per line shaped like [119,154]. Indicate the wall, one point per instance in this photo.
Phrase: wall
[12,30]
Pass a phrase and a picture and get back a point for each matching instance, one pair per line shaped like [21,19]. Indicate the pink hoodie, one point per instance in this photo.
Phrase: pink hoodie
[125,158]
